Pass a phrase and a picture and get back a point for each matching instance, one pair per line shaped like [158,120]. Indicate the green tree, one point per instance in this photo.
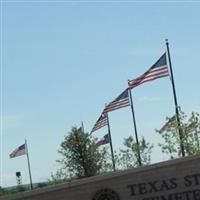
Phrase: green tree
[43,184]
[13,190]
[2,191]
[192,130]
[128,157]
[58,177]
[190,135]
[81,157]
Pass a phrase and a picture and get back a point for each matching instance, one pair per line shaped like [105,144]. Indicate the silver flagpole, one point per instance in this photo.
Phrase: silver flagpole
[111,147]
[135,129]
[182,148]
[29,168]
[82,126]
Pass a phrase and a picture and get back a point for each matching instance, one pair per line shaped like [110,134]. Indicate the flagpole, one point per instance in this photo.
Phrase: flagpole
[197,139]
[135,128]
[110,140]
[29,168]
[82,126]
[175,101]
[196,134]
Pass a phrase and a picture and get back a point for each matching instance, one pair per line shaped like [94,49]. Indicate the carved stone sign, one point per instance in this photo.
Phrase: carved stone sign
[167,188]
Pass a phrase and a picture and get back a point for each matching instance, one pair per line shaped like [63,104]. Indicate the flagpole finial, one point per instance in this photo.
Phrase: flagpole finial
[166,40]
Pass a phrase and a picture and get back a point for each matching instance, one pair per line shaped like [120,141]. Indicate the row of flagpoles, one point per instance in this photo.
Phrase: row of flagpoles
[159,70]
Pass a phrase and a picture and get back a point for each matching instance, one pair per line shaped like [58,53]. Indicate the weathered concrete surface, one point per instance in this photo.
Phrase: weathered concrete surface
[172,180]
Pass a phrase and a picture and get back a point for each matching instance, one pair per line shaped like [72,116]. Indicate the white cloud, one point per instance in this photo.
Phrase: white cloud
[7,179]
[149,99]
[124,52]
[12,121]
[145,52]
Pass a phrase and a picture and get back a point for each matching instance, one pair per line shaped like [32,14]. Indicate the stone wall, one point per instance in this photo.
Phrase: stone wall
[172,180]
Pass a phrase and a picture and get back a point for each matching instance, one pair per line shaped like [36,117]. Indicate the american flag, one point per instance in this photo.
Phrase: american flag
[191,127]
[101,122]
[21,150]
[121,101]
[158,70]
[104,140]
[168,124]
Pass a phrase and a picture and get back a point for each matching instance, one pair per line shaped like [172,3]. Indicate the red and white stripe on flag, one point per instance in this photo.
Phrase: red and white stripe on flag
[158,70]
[21,150]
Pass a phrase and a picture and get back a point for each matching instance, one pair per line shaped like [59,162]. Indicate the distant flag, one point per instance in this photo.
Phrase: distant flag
[82,126]
[80,129]
[158,70]
[121,101]
[191,127]
[21,150]
[101,122]
[104,140]
[168,124]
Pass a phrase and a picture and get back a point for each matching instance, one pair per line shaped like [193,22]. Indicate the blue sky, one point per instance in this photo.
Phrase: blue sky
[62,61]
